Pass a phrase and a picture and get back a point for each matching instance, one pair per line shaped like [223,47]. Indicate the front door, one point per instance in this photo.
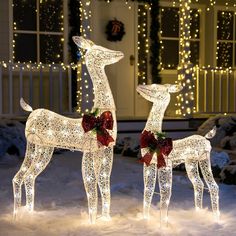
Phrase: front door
[122,75]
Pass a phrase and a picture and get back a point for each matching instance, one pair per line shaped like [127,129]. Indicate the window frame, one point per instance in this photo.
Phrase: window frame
[37,32]
[216,9]
[201,39]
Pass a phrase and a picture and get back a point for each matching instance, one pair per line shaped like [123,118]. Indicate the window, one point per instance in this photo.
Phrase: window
[170,25]
[226,39]
[38,31]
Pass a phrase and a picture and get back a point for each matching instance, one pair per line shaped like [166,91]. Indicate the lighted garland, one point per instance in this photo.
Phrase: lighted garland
[75,25]
[155,46]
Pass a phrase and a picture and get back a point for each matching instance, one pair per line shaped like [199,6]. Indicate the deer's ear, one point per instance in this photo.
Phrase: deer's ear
[82,42]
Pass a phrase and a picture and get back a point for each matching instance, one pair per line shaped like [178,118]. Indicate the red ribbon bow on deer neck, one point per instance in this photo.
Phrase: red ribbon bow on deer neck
[161,146]
[99,124]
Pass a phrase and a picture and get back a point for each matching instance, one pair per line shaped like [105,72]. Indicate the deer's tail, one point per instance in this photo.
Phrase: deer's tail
[211,133]
[25,106]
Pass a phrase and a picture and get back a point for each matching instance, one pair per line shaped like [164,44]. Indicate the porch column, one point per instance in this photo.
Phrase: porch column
[185,69]
[86,83]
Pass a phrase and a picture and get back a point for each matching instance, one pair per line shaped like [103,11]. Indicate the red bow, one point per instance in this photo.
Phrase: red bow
[160,146]
[99,124]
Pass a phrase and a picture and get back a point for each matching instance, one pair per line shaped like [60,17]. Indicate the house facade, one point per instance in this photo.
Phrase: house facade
[35,59]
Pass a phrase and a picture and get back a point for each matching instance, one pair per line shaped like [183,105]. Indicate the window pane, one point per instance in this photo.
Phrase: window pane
[24,14]
[195,24]
[170,22]
[51,48]
[224,54]
[195,49]
[50,15]
[170,54]
[225,25]
[25,47]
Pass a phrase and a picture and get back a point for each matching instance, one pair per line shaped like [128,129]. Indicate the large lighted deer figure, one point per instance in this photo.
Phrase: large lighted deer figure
[192,151]
[93,135]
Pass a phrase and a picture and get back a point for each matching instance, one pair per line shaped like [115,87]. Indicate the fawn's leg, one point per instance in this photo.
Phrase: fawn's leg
[90,183]
[106,160]
[165,185]
[205,166]
[149,177]
[18,179]
[44,155]
[193,174]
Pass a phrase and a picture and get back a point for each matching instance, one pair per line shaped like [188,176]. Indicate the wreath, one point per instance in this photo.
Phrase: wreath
[115,30]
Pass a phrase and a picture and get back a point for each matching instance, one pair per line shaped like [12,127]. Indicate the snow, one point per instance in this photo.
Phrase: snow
[12,139]
[219,159]
[61,204]
[230,168]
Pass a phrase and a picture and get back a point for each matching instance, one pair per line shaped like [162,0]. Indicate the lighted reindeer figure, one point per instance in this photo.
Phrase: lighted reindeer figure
[46,130]
[192,151]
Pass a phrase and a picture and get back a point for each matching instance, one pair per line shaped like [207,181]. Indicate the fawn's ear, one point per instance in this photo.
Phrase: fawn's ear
[174,88]
[82,42]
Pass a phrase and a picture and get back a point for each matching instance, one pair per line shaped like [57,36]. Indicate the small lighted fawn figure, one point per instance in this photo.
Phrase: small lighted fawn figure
[94,135]
[193,151]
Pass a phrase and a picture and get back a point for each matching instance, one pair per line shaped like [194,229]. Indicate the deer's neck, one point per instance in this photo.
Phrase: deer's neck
[155,118]
[103,98]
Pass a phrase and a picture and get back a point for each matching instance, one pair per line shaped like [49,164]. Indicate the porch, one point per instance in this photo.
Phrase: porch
[50,86]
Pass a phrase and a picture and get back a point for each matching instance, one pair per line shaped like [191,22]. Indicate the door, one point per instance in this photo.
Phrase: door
[122,75]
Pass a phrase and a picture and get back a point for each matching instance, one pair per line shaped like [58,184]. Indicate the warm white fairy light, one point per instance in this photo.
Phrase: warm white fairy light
[143,43]
[82,75]
[192,151]
[225,38]
[46,130]
[185,69]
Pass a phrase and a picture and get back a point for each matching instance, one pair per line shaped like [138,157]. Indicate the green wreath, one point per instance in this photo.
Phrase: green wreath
[115,30]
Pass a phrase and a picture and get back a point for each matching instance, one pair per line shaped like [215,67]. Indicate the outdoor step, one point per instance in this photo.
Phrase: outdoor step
[169,125]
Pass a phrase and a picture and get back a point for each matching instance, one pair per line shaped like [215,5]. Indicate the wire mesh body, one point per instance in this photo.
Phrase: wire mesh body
[192,151]
[46,130]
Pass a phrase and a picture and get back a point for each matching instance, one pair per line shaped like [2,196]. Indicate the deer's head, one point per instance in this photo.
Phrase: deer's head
[97,53]
[158,93]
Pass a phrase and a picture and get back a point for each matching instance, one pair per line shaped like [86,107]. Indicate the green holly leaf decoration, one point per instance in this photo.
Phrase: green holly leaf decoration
[161,135]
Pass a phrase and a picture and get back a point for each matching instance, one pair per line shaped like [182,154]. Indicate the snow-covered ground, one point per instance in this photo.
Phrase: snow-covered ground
[61,204]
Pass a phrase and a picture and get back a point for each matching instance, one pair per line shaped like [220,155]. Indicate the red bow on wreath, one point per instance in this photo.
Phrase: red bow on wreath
[161,146]
[99,124]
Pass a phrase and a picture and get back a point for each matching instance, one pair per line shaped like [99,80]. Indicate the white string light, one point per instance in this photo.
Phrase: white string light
[46,130]
[82,75]
[192,151]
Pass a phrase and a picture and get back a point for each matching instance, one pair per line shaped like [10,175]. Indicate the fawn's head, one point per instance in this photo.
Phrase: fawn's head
[97,53]
[158,93]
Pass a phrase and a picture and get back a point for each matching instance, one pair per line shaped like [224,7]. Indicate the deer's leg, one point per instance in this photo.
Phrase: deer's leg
[193,174]
[149,177]
[165,185]
[90,183]
[44,155]
[18,179]
[205,166]
[106,160]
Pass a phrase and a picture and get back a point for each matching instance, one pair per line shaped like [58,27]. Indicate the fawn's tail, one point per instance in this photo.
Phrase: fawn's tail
[211,133]
[25,106]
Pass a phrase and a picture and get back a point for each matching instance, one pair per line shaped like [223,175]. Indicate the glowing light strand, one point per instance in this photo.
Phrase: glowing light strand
[84,91]
[192,151]
[185,70]
[143,43]
[46,130]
